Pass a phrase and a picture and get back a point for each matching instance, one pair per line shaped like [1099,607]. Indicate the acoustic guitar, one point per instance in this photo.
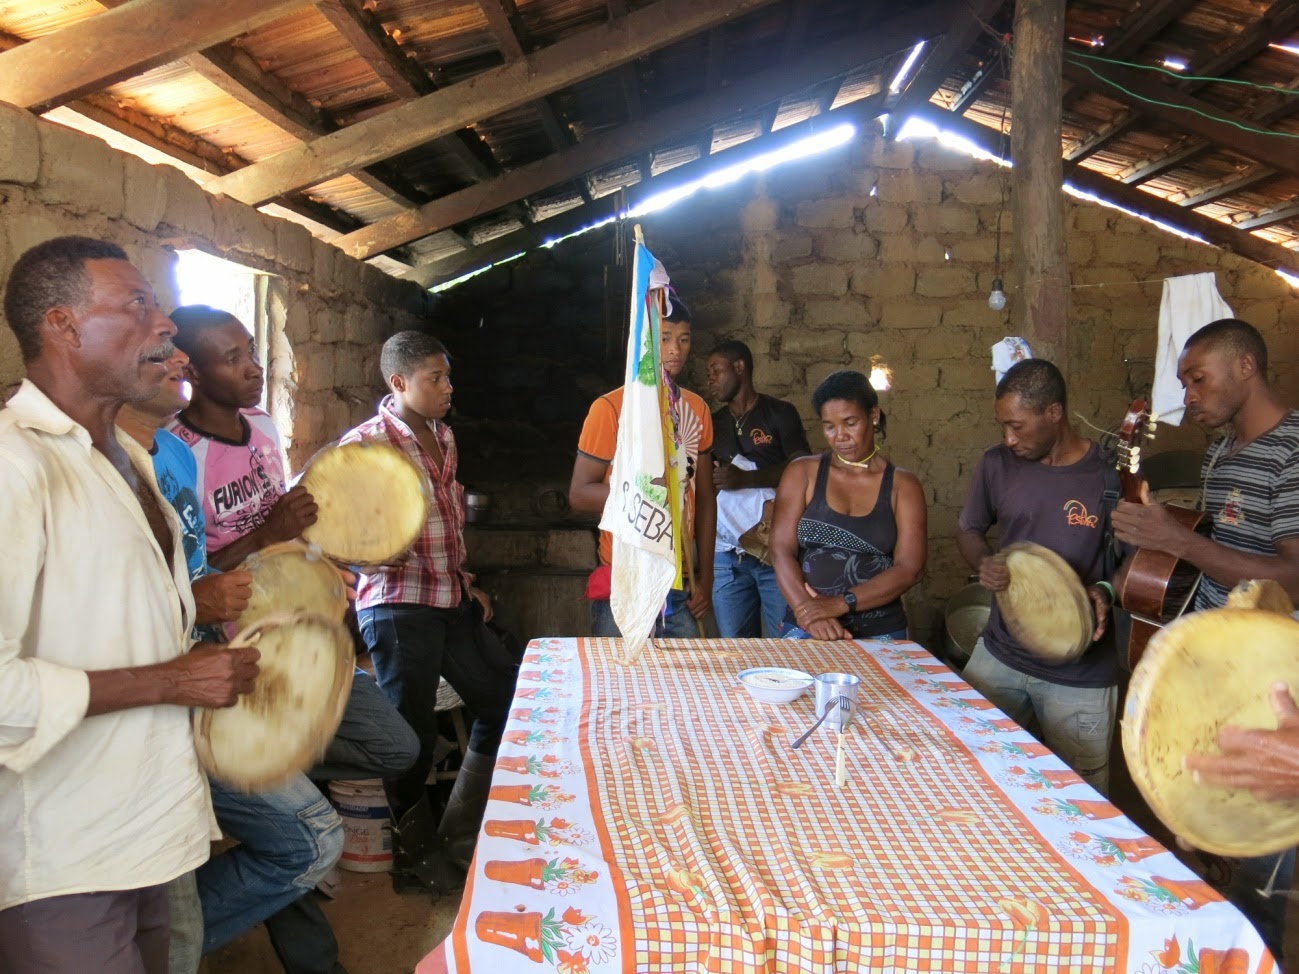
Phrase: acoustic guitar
[1154,586]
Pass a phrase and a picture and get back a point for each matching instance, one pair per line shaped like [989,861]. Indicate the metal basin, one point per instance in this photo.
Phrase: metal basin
[964,618]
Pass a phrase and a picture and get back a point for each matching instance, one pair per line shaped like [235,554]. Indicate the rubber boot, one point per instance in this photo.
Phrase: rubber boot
[464,812]
[418,861]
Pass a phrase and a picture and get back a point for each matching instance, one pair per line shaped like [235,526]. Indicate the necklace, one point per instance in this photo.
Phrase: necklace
[739,423]
[859,463]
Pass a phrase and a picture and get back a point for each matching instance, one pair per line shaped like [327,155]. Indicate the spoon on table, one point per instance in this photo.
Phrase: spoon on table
[842,703]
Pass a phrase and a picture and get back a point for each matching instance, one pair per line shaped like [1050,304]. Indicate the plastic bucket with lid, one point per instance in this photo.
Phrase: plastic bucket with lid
[367,825]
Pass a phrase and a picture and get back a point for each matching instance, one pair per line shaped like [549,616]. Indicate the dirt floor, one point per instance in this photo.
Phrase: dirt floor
[378,931]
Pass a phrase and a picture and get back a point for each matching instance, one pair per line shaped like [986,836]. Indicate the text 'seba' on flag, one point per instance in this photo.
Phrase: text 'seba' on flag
[647,484]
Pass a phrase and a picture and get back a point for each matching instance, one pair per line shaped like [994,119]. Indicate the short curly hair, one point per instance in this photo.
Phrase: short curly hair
[50,275]
[406,351]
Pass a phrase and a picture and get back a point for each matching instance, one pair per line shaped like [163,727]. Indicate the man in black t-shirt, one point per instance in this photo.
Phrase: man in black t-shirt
[1045,484]
[754,437]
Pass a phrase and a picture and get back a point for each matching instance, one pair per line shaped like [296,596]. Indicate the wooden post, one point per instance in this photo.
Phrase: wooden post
[1041,303]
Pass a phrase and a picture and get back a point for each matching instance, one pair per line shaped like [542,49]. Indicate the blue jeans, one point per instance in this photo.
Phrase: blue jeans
[372,740]
[746,598]
[413,647]
[1267,913]
[1076,723]
[680,624]
[289,839]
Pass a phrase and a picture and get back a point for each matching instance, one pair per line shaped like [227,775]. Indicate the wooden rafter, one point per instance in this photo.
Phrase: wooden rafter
[404,78]
[560,65]
[1189,114]
[633,139]
[505,23]
[572,220]
[1222,188]
[976,86]
[1269,218]
[964,21]
[240,77]
[627,73]
[1280,19]
[1224,235]
[1179,155]
[185,147]
[1137,30]
[196,153]
[94,53]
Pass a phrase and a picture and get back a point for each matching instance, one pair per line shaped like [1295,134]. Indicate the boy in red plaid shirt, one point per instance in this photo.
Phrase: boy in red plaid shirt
[420,617]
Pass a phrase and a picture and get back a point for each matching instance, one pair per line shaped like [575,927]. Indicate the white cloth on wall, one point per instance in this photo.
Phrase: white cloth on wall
[1189,303]
[1007,352]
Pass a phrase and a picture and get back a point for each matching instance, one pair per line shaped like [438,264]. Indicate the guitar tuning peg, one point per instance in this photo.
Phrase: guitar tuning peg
[1150,436]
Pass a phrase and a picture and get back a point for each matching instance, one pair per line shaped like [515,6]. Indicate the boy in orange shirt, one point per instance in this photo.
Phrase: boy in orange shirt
[589,488]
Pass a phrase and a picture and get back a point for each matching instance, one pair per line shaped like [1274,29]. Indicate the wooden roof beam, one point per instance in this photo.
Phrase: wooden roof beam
[1132,34]
[1268,218]
[1116,129]
[367,37]
[1190,114]
[1222,188]
[197,153]
[504,21]
[94,53]
[567,62]
[240,77]
[1145,24]
[1175,157]
[405,78]
[1280,19]
[573,220]
[976,86]
[628,76]
[1224,235]
[606,148]
[964,22]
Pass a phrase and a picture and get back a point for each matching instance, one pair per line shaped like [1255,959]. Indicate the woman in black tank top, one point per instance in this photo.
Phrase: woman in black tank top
[849,533]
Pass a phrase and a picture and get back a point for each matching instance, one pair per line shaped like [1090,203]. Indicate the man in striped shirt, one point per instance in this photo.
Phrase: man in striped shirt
[1251,493]
[421,618]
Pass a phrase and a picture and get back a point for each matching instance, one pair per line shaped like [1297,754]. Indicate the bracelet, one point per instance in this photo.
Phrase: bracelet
[1107,587]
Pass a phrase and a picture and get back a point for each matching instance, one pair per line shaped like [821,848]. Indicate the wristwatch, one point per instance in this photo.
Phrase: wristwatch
[850,600]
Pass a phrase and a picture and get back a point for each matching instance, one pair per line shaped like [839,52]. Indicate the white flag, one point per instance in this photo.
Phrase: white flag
[643,510]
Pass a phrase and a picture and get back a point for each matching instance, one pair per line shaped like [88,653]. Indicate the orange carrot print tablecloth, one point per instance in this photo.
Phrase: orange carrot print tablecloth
[653,817]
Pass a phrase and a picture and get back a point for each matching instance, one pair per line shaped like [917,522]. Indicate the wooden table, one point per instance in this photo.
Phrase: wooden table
[653,817]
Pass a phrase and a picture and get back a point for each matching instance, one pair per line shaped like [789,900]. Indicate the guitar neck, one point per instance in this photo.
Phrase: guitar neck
[1130,485]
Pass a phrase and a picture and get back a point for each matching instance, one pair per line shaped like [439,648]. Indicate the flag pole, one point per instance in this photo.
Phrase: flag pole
[687,527]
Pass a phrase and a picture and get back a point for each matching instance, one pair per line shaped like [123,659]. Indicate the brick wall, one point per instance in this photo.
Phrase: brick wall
[329,313]
[873,250]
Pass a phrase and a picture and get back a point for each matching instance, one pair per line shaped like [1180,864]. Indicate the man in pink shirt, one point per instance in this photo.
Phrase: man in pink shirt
[421,618]
[287,834]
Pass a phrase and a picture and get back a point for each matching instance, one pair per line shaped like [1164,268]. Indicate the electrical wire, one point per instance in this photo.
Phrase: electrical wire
[1183,76]
[1194,111]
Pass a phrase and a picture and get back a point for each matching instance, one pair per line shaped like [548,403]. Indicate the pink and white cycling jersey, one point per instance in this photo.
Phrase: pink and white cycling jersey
[238,482]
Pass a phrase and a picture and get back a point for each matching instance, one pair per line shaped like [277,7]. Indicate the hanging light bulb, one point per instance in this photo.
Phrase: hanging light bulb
[997,299]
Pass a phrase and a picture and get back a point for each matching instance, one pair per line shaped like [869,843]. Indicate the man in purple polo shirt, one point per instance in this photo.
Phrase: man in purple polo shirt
[1046,484]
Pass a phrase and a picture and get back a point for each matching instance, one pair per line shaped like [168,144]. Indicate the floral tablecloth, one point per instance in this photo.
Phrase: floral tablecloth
[653,817]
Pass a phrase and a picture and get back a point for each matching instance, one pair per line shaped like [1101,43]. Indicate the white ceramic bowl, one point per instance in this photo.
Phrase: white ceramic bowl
[772,684]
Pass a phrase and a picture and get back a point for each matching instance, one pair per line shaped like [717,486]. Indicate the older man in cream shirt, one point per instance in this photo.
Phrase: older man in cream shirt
[101,798]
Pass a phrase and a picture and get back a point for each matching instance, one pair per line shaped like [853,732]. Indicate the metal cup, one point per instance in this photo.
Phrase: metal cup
[829,688]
